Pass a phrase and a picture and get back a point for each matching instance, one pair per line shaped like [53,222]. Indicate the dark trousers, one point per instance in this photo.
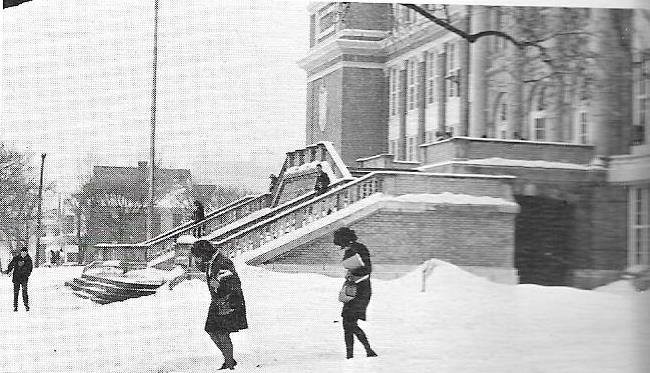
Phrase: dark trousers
[223,341]
[17,286]
[350,329]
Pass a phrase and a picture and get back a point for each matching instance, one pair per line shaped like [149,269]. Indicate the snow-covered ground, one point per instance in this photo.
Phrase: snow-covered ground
[462,323]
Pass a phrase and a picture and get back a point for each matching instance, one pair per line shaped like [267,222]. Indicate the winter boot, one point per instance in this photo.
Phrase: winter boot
[371,353]
[228,365]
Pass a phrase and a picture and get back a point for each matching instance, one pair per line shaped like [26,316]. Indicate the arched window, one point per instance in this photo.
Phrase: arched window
[538,121]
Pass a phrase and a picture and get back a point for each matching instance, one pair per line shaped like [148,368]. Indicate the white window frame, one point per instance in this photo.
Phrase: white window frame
[538,115]
[411,84]
[393,147]
[501,117]
[639,225]
[431,76]
[452,70]
[394,90]
[582,127]
[642,98]
[320,14]
[410,144]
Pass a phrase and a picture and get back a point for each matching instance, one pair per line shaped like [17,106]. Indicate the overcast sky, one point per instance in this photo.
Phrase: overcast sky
[77,77]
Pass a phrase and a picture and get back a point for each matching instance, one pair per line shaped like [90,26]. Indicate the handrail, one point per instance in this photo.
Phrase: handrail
[304,213]
[279,210]
[189,226]
[390,183]
[194,224]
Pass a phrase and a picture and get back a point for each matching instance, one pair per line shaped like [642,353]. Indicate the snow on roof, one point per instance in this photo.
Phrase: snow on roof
[513,163]
[452,198]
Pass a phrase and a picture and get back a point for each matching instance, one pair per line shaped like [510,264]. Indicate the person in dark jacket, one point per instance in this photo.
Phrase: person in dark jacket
[22,266]
[322,181]
[227,312]
[197,216]
[355,309]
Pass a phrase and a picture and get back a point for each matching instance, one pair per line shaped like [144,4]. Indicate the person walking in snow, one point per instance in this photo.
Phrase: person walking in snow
[322,181]
[227,312]
[22,266]
[356,291]
[197,216]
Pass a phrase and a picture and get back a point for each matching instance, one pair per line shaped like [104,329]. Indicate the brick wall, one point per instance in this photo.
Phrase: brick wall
[364,114]
[364,16]
[609,227]
[466,238]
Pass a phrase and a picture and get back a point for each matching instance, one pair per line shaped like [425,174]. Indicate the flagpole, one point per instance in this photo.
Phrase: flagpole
[152,155]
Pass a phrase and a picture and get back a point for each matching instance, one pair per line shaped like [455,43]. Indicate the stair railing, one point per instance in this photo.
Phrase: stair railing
[261,232]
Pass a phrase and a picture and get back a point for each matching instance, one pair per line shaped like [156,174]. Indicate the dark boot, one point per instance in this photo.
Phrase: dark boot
[364,341]
[228,365]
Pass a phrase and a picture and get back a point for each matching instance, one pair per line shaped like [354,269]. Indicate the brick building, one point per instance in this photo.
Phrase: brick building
[118,197]
[393,91]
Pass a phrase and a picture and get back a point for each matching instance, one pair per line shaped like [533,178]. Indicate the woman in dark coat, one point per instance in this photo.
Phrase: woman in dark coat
[355,309]
[227,312]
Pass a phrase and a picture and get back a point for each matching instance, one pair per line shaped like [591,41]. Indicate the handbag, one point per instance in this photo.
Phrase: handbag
[348,292]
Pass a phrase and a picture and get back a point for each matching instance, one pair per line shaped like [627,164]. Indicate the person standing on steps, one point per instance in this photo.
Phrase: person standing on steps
[356,291]
[322,181]
[197,216]
[22,266]
[227,312]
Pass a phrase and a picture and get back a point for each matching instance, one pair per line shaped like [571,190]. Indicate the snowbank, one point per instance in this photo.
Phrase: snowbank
[461,323]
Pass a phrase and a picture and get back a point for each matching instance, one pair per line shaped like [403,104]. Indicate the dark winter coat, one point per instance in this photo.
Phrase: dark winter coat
[227,310]
[22,268]
[199,213]
[322,182]
[356,308]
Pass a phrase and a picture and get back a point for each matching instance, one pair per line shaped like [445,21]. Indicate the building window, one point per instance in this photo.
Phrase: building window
[541,99]
[327,20]
[641,103]
[393,78]
[410,147]
[501,25]
[431,76]
[540,129]
[639,229]
[582,127]
[410,81]
[501,117]
[538,114]
[452,70]
[392,147]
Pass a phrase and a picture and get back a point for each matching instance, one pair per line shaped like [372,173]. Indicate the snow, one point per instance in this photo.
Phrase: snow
[462,323]
[513,163]
[453,198]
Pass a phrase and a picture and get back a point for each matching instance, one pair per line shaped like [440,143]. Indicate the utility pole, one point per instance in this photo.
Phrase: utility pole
[38,214]
[152,156]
